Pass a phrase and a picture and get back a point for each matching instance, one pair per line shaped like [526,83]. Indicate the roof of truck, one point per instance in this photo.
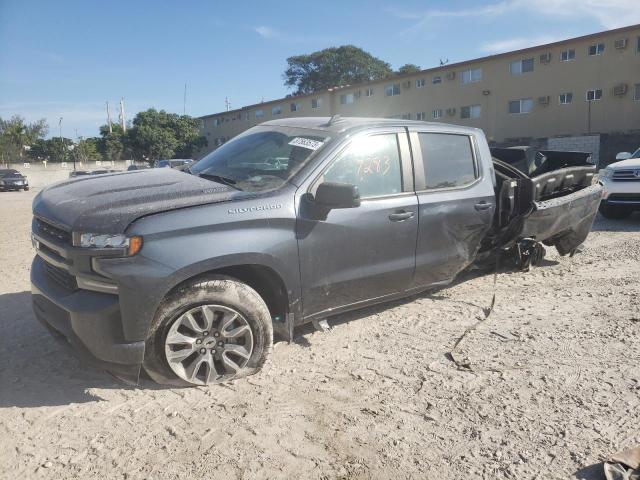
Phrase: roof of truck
[338,124]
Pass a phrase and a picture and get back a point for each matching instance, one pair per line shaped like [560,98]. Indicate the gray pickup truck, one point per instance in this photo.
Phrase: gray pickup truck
[188,274]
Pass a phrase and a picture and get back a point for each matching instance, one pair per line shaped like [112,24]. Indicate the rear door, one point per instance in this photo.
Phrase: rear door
[456,202]
[359,254]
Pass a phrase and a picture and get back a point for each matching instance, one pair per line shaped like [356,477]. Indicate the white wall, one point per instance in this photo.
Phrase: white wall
[41,174]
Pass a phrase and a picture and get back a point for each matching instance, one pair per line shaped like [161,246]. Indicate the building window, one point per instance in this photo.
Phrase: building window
[420,83]
[316,102]
[636,92]
[471,111]
[368,92]
[421,116]
[277,110]
[406,116]
[521,66]
[391,90]
[471,76]
[566,98]
[597,49]
[217,122]
[523,105]
[436,79]
[638,45]
[259,113]
[568,55]
[295,107]
[448,160]
[346,98]
[437,113]
[595,94]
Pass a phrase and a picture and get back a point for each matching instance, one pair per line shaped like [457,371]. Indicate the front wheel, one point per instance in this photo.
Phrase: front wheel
[614,212]
[210,331]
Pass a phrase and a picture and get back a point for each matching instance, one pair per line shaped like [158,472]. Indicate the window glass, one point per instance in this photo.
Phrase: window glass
[527,65]
[261,158]
[371,163]
[437,79]
[448,160]
[391,90]
[636,94]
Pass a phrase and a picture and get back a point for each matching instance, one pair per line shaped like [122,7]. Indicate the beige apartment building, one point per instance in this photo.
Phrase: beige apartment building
[584,85]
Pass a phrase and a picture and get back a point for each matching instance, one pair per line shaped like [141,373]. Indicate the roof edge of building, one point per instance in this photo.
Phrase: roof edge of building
[429,70]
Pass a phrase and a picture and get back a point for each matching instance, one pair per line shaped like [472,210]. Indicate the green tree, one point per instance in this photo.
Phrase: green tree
[16,133]
[86,150]
[333,67]
[408,68]
[52,149]
[113,145]
[159,134]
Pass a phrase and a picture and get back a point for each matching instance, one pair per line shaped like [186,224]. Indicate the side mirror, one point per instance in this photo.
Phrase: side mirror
[623,156]
[337,195]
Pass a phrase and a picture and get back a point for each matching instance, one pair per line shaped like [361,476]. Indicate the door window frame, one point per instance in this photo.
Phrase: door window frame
[419,167]
[404,152]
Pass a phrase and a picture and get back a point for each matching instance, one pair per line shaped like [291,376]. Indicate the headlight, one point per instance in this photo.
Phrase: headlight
[605,173]
[101,240]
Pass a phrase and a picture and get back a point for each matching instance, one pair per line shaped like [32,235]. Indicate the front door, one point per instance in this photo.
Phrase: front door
[367,252]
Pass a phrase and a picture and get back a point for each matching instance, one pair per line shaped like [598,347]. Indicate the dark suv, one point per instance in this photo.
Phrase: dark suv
[13,180]
[188,274]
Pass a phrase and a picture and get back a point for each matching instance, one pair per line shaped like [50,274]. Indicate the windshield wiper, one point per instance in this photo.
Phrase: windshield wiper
[220,179]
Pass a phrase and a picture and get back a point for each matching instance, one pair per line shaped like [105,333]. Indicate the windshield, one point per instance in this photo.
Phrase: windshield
[262,158]
[9,173]
[636,154]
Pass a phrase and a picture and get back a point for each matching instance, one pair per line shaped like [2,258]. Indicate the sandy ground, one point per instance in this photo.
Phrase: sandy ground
[554,385]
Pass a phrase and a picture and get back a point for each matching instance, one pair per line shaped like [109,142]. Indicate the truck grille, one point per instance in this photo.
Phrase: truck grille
[61,276]
[627,175]
[624,198]
[51,231]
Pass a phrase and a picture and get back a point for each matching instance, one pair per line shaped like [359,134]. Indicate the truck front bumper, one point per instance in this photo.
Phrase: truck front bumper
[88,322]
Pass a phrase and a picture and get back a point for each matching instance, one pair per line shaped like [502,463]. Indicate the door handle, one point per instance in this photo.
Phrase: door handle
[401,216]
[483,206]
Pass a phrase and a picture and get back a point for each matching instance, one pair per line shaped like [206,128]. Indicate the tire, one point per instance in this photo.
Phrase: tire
[208,302]
[26,189]
[614,212]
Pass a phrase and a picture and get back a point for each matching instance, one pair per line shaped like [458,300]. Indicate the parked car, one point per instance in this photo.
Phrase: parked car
[621,182]
[102,172]
[78,173]
[188,275]
[173,163]
[13,180]
[131,168]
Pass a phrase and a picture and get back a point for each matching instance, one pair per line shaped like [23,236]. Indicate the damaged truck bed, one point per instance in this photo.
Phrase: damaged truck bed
[188,274]
[542,196]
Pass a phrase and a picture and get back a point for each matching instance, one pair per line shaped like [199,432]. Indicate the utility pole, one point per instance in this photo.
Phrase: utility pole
[109,119]
[184,103]
[61,141]
[227,103]
[123,122]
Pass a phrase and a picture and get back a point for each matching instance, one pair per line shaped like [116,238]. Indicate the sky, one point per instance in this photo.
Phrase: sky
[67,58]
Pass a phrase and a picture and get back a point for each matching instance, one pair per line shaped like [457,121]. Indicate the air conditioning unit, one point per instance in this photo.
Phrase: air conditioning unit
[620,90]
[451,112]
[451,75]
[544,100]
[620,44]
[545,57]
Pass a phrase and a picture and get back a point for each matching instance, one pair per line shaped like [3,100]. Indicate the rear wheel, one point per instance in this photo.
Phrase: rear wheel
[210,331]
[614,212]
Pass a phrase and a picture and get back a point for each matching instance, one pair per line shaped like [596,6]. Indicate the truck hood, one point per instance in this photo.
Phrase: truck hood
[109,203]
